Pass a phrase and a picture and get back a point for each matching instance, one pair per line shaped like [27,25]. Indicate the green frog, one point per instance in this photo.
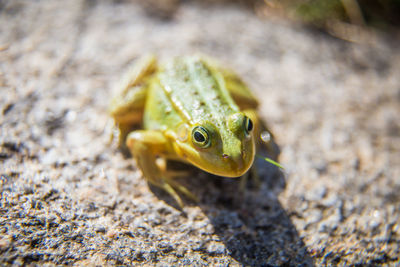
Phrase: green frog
[191,109]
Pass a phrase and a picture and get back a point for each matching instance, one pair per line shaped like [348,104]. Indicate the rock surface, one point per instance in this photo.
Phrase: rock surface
[68,197]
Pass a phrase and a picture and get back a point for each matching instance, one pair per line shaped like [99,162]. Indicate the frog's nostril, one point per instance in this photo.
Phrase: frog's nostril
[225,156]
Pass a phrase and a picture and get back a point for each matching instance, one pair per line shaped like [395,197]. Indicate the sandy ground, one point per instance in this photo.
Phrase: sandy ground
[68,197]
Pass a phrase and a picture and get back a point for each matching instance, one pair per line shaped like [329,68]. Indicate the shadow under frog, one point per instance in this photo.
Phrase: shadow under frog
[252,223]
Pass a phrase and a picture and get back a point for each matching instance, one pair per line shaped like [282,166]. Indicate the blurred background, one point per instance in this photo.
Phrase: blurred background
[338,17]
[326,74]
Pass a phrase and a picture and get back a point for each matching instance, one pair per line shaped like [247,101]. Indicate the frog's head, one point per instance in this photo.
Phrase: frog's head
[226,150]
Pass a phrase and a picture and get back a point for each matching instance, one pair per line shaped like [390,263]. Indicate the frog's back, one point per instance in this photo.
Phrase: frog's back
[188,90]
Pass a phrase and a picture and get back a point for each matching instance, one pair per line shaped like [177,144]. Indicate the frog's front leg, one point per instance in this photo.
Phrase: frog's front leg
[146,146]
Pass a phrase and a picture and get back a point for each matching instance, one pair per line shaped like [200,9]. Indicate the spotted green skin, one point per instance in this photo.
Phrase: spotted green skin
[189,92]
[170,101]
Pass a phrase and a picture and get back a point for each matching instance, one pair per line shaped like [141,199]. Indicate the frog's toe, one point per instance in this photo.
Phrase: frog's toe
[255,177]
[184,191]
[243,182]
[170,190]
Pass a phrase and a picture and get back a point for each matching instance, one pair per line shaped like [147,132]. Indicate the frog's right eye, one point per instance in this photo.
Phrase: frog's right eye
[200,137]
[248,125]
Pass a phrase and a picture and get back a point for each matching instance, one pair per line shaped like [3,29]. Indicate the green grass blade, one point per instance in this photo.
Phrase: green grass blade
[273,162]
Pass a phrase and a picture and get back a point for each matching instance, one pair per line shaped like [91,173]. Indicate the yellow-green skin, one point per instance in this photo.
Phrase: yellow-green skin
[169,101]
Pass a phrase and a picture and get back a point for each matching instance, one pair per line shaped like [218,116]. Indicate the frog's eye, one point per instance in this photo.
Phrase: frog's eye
[200,137]
[248,125]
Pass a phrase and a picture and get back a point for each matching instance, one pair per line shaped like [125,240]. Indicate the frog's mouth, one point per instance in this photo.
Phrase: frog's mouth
[237,165]
[226,162]
[236,158]
[228,165]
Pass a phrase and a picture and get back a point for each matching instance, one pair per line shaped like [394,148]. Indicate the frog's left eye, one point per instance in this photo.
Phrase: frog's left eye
[200,137]
[248,125]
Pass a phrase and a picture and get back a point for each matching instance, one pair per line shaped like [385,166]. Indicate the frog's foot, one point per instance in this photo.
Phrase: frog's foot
[171,187]
[144,146]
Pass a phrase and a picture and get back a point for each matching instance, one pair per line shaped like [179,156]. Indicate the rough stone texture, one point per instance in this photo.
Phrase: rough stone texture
[68,197]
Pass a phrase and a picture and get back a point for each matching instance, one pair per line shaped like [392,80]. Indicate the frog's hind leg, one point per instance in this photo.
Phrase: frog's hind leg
[247,102]
[128,105]
[145,146]
[237,89]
